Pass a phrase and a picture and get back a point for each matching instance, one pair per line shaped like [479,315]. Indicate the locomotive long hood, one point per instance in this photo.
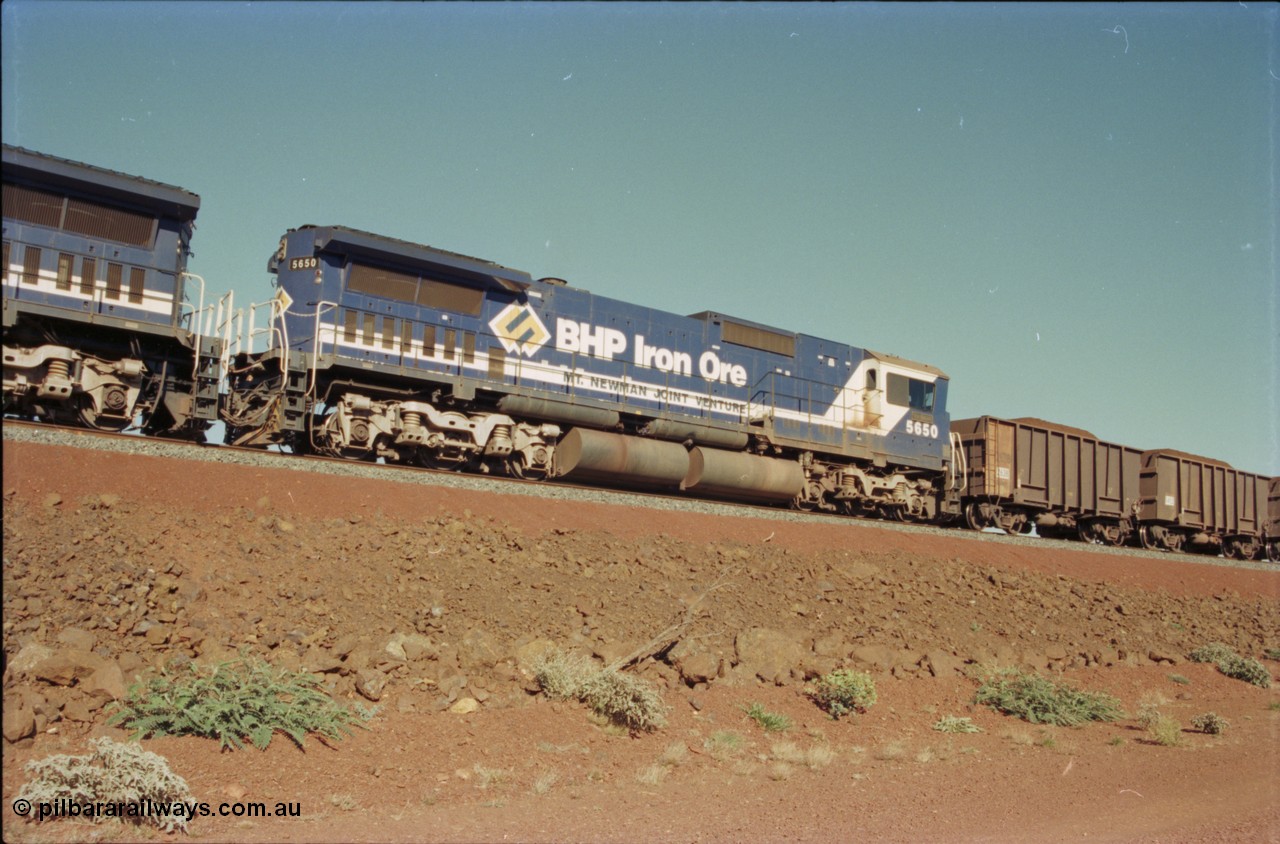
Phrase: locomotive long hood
[384,249]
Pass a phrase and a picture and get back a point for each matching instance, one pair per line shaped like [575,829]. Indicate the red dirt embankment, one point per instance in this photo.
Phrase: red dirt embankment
[430,600]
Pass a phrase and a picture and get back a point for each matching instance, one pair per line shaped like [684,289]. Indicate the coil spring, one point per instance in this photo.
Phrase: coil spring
[412,420]
[58,369]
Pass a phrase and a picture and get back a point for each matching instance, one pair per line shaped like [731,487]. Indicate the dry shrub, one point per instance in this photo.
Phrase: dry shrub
[117,773]
[623,699]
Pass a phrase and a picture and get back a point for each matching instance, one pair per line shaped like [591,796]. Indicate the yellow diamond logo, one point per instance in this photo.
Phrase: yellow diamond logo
[519,330]
[283,300]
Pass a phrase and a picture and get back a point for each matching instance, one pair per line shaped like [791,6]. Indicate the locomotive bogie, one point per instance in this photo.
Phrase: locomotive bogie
[898,495]
[362,427]
[60,384]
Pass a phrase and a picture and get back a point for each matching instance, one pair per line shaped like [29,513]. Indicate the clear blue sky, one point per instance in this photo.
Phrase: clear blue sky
[1070,209]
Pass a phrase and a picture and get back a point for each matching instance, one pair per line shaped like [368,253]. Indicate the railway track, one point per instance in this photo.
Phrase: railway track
[125,443]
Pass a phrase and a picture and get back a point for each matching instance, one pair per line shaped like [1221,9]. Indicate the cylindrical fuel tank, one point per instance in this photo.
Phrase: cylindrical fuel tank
[617,459]
[670,429]
[728,474]
[550,410]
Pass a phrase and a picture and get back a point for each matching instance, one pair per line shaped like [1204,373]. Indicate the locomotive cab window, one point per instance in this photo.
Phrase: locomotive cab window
[910,392]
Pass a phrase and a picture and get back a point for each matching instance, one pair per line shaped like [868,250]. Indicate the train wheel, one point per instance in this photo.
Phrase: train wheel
[978,516]
[1016,524]
[1239,549]
[973,516]
[810,498]
[1148,539]
[91,418]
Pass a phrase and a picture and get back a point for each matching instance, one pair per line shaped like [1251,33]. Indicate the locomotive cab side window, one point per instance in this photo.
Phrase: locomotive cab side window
[910,392]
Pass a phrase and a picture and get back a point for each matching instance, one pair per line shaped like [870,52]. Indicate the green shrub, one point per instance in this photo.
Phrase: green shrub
[1214,652]
[772,722]
[1210,723]
[1232,664]
[242,699]
[954,724]
[843,691]
[1040,700]
[118,775]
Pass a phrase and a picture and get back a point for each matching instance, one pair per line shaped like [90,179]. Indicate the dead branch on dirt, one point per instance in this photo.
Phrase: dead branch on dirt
[673,632]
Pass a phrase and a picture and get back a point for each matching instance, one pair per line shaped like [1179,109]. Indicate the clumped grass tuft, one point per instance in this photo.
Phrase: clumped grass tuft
[955,724]
[787,751]
[1210,723]
[723,744]
[652,775]
[1040,700]
[1179,679]
[1164,730]
[842,692]
[116,773]
[819,756]
[1232,664]
[891,752]
[675,755]
[544,782]
[779,771]
[773,722]
[242,699]
[489,777]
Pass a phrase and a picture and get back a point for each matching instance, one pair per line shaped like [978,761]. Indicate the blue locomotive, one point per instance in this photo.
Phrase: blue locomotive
[98,328]
[393,350]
